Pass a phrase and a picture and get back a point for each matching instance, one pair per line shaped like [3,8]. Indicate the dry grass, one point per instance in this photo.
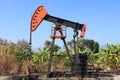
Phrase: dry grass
[8,64]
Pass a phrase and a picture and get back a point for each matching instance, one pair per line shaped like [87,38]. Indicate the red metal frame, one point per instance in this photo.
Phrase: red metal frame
[58,33]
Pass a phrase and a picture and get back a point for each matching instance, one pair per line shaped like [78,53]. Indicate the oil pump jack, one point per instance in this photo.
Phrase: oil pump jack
[60,27]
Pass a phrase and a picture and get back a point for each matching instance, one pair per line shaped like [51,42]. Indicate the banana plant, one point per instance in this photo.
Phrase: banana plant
[41,56]
[109,58]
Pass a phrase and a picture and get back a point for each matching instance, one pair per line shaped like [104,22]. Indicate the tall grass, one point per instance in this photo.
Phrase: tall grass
[8,61]
[15,58]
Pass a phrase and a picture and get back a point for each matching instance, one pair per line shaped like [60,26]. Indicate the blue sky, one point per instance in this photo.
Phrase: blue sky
[102,18]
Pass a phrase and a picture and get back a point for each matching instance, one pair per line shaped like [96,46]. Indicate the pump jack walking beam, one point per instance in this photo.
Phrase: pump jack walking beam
[41,14]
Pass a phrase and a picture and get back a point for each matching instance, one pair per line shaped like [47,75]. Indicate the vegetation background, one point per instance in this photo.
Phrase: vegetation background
[15,58]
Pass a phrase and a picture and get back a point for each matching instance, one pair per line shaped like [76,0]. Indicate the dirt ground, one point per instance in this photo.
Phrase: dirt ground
[44,77]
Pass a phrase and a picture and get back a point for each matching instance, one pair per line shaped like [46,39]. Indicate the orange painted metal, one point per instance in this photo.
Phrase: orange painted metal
[83,30]
[37,17]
